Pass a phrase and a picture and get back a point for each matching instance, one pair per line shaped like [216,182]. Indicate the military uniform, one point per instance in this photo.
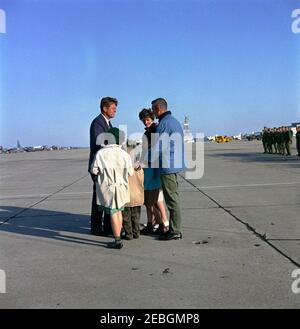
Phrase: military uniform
[298,142]
[277,141]
[281,142]
[270,142]
[264,141]
[274,141]
[288,137]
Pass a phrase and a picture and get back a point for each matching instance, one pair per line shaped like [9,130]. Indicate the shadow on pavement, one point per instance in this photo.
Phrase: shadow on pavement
[56,225]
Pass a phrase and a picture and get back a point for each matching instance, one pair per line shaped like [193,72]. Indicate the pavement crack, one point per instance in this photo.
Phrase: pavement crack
[252,229]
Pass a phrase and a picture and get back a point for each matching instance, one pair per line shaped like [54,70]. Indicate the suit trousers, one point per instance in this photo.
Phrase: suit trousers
[100,223]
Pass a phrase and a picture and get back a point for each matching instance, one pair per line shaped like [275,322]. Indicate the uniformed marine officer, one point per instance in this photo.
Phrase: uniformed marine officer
[281,141]
[288,139]
[298,140]
[270,141]
[264,139]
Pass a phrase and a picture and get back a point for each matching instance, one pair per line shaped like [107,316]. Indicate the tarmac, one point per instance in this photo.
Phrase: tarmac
[241,236]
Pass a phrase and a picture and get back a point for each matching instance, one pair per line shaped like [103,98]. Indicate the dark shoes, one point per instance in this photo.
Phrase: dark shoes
[115,245]
[151,230]
[128,237]
[171,236]
[148,230]
[131,237]
[160,230]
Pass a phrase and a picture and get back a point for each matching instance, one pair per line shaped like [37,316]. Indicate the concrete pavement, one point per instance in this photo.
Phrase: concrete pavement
[241,229]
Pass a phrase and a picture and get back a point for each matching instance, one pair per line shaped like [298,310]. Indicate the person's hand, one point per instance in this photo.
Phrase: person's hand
[137,166]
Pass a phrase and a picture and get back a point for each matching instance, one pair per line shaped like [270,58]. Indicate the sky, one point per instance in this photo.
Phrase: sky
[231,66]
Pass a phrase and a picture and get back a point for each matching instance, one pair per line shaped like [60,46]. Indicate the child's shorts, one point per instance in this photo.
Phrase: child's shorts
[110,211]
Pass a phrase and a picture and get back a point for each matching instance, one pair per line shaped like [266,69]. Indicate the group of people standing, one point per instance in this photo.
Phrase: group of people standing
[279,140]
[122,185]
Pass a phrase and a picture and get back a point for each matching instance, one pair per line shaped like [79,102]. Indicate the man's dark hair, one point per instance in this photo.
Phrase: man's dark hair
[146,113]
[107,101]
[161,102]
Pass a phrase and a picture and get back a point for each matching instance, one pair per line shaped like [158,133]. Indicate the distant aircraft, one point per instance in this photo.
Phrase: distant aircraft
[38,148]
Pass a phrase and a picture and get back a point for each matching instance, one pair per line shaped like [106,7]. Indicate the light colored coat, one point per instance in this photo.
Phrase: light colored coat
[113,166]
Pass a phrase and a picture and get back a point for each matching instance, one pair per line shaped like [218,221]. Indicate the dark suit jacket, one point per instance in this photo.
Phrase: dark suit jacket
[98,126]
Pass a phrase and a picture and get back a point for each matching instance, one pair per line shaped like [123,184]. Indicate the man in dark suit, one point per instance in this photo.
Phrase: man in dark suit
[100,124]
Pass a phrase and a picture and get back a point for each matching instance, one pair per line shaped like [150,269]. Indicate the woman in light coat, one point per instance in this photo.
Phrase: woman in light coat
[113,165]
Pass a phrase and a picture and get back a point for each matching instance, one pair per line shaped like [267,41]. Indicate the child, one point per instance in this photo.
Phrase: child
[132,211]
[113,166]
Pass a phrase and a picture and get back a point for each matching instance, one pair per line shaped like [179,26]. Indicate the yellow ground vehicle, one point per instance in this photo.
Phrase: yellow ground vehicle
[223,139]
